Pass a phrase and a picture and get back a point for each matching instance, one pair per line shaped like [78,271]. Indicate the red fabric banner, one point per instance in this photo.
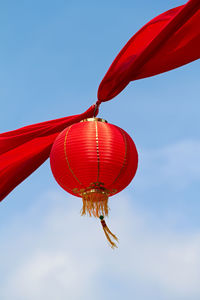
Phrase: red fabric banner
[168,41]
[23,150]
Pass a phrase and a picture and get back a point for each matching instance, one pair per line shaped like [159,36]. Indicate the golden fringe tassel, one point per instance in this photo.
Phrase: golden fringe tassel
[95,202]
[108,233]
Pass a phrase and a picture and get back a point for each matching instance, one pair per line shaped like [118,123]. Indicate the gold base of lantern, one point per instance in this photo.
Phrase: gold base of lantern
[95,203]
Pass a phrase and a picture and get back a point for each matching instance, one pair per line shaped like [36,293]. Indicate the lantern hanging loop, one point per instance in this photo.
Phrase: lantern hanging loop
[97,104]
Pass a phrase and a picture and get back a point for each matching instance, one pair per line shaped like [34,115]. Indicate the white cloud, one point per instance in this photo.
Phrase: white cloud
[49,274]
[64,256]
[176,165]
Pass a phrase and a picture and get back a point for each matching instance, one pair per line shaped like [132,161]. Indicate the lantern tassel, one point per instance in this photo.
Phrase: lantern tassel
[95,202]
[108,233]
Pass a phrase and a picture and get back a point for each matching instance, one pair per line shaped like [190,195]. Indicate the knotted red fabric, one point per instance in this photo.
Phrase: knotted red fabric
[168,41]
[23,150]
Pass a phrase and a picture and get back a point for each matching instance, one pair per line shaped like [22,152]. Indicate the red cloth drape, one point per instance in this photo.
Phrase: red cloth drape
[168,41]
[23,150]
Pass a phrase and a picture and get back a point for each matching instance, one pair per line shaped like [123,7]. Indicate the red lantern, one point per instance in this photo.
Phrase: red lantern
[94,160]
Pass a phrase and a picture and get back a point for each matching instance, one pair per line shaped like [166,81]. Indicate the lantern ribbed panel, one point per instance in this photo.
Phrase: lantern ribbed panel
[91,153]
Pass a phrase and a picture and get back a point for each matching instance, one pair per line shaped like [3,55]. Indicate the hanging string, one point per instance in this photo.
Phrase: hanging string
[97,104]
[108,233]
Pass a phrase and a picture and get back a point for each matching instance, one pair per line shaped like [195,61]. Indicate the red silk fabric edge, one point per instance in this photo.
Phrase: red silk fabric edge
[154,50]
[23,150]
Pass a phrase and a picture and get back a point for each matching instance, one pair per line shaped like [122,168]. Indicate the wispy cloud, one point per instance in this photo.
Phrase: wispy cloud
[175,165]
[63,256]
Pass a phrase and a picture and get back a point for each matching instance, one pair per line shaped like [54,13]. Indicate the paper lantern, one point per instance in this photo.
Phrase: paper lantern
[94,160]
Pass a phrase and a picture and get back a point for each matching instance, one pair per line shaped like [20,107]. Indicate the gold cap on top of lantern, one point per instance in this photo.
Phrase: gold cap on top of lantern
[94,119]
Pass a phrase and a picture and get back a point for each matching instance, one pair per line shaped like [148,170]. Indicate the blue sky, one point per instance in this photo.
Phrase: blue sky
[53,57]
